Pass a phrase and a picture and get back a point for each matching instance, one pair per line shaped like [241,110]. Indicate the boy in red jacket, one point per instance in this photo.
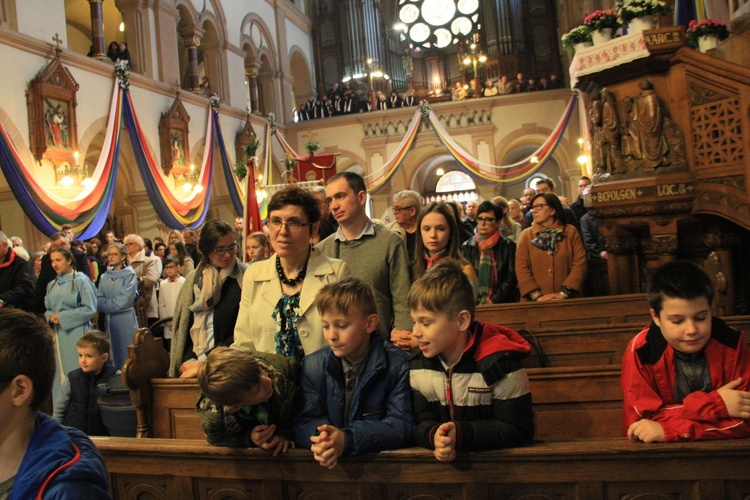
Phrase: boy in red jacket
[685,377]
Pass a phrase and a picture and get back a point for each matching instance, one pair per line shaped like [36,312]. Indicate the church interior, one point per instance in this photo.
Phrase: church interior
[162,143]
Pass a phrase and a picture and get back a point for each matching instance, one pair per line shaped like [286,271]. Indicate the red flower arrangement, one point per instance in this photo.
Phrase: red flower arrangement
[707,27]
[602,19]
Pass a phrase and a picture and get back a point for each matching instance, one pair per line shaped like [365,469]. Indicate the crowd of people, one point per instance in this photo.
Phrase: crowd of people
[363,342]
[507,86]
[352,97]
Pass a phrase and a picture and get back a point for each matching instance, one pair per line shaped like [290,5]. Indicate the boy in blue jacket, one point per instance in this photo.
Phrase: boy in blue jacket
[356,390]
[39,458]
[470,391]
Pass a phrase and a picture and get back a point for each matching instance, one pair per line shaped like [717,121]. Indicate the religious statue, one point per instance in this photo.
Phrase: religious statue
[610,134]
[631,148]
[595,119]
[649,128]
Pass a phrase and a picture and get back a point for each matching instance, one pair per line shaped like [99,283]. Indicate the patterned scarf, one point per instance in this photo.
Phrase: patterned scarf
[206,294]
[547,240]
[487,270]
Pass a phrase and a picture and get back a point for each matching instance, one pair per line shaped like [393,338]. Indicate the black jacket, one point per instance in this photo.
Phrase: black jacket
[16,285]
[505,259]
[83,411]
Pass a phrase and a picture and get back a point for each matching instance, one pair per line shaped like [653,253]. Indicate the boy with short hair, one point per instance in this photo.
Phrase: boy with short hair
[686,376]
[469,388]
[169,289]
[76,403]
[38,457]
[356,389]
[249,398]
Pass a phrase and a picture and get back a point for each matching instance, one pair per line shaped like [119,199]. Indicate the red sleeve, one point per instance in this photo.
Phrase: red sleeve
[701,416]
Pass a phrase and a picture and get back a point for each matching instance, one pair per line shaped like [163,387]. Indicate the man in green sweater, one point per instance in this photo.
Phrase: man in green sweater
[375,254]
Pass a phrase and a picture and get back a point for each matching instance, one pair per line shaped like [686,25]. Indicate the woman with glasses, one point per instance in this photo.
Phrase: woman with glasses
[551,260]
[208,302]
[492,256]
[278,312]
[116,297]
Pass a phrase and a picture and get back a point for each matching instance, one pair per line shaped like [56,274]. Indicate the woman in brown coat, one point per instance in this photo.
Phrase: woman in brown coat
[550,259]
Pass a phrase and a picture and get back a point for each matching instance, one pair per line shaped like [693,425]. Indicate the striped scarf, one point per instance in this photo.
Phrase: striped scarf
[487,270]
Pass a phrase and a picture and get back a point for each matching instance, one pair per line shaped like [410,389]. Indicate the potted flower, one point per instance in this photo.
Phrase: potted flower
[577,38]
[602,24]
[639,14]
[706,34]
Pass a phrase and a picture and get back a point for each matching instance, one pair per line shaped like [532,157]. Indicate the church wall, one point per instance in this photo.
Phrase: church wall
[31,21]
[301,40]
[238,91]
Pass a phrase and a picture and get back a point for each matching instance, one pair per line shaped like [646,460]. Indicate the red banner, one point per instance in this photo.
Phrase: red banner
[315,168]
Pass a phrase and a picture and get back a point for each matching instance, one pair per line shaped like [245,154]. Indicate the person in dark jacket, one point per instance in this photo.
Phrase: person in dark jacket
[493,257]
[469,388]
[16,284]
[356,390]
[43,459]
[248,399]
[47,274]
[76,404]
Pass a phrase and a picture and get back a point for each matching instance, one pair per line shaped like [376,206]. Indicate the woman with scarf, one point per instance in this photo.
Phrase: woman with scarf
[492,256]
[551,260]
[209,301]
[116,298]
[278,312]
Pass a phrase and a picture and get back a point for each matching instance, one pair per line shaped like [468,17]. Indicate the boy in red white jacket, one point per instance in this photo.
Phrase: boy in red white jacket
[686,376]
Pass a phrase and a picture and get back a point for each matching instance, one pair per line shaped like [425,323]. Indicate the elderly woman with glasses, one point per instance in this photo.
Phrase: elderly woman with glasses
[551,260]
[278,312]
[208,302]
[492,256]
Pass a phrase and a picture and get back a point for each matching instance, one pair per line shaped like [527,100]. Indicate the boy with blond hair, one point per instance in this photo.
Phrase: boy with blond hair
[76,403]
[249,398]
[355,390]
[686,376]
[469,388]
[39,458]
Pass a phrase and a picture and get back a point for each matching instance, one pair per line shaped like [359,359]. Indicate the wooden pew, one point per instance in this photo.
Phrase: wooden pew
[614,468]
[571,313]
[596,345]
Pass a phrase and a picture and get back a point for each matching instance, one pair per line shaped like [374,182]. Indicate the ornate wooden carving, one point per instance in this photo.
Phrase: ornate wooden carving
[173,139]
[51,103]
[244,137]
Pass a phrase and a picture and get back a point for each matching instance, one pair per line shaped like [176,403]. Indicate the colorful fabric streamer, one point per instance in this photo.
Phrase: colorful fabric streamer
[86,212]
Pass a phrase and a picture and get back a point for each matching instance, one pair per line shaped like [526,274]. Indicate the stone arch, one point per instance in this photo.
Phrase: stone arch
[187,23]
[301,73]
[212,56]
[78,25]
[260,60]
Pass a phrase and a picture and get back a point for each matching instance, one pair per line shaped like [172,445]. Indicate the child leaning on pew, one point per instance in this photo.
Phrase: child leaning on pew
[469,388]
[685,377]
[356,389]
[249,398]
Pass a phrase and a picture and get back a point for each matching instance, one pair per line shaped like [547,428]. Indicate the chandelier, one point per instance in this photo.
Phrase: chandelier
[437,23]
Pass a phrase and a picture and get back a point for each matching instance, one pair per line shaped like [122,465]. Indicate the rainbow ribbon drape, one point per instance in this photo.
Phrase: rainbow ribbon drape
[234,185]
[506,174]
[493,174]
[174,212]
[380,177]
[87,212]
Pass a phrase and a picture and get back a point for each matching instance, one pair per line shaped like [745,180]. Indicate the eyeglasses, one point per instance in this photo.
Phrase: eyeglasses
[485,220]
[232,249]
[291,224]
[539,206]
[398,210]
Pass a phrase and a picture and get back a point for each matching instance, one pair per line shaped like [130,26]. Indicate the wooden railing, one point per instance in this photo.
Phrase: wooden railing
[614,468]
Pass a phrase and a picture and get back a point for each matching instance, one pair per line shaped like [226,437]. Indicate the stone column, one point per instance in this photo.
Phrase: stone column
[97,30]
[191,40]
[251,73]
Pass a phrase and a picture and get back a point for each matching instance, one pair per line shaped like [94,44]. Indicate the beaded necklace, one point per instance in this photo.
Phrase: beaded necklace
[290,281]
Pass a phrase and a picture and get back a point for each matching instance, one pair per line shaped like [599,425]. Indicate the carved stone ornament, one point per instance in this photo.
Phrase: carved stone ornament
[173,141]
[51,103]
